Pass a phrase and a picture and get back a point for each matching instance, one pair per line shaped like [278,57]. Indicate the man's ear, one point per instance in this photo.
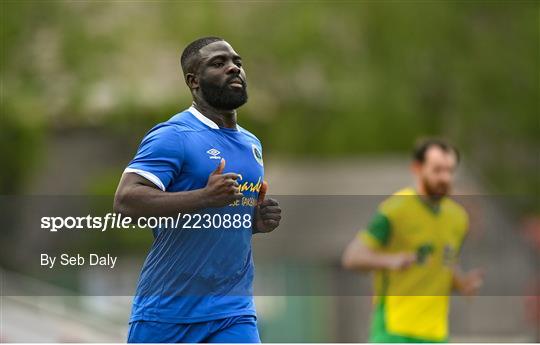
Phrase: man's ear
[192,81]
[416,167]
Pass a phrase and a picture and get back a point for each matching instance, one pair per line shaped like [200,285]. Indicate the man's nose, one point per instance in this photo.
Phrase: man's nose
[446,177]
[232,69]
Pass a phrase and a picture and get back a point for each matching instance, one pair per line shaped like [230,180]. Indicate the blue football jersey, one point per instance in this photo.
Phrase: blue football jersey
[205,273]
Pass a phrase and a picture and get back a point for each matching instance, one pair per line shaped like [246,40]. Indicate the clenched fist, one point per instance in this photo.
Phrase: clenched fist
[267,212]
[222,189]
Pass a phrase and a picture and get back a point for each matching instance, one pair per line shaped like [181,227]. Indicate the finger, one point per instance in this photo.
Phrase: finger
[410,258]
[233,176]
[477,274]
[408,263]
[271,223]
[233,190]
[271,216]
[231,182]
[480,272]
[219,168]
[270,209]
[270,202]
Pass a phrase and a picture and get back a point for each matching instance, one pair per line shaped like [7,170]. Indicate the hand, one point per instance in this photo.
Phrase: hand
[221,189]
[468,284]
[267,215]
[400,261]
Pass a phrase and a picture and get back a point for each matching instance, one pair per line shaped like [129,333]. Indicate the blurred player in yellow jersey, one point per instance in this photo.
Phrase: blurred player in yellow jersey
[412,243]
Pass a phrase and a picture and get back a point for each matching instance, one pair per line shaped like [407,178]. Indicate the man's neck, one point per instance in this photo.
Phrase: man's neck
[223,118]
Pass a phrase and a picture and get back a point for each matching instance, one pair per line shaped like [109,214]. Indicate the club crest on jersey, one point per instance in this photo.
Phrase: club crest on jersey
[213,154]
[257,154]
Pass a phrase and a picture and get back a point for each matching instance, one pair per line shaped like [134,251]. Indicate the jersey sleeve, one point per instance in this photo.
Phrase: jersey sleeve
[377,234]
[159,157]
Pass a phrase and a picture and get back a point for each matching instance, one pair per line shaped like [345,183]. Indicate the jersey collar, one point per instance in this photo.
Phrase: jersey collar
[204,119]
[435,208]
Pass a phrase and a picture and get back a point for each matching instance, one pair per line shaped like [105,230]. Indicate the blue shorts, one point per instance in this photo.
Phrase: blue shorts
[236,329]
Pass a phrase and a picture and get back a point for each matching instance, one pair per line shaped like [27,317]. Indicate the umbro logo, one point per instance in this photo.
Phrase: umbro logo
[214,154]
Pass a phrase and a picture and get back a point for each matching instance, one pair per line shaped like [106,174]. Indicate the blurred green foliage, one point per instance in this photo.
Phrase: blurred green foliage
[325,78]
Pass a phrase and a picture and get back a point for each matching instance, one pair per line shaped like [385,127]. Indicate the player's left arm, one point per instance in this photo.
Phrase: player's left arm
[466,283]
[267,212]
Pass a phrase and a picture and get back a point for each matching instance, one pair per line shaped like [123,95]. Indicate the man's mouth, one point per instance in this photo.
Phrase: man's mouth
[236,83]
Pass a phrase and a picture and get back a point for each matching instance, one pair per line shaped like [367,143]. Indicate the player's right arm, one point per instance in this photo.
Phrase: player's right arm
[137,196]
[366,251]
[159,161]
[358,256]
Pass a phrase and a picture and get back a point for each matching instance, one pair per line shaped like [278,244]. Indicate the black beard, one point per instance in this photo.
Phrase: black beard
[223,97]
[435,193]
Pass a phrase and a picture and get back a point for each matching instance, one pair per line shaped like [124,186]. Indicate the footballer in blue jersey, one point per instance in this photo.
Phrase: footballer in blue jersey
[196,284]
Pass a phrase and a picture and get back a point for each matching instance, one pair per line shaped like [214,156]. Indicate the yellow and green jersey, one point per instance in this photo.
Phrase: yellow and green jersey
[413,304]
